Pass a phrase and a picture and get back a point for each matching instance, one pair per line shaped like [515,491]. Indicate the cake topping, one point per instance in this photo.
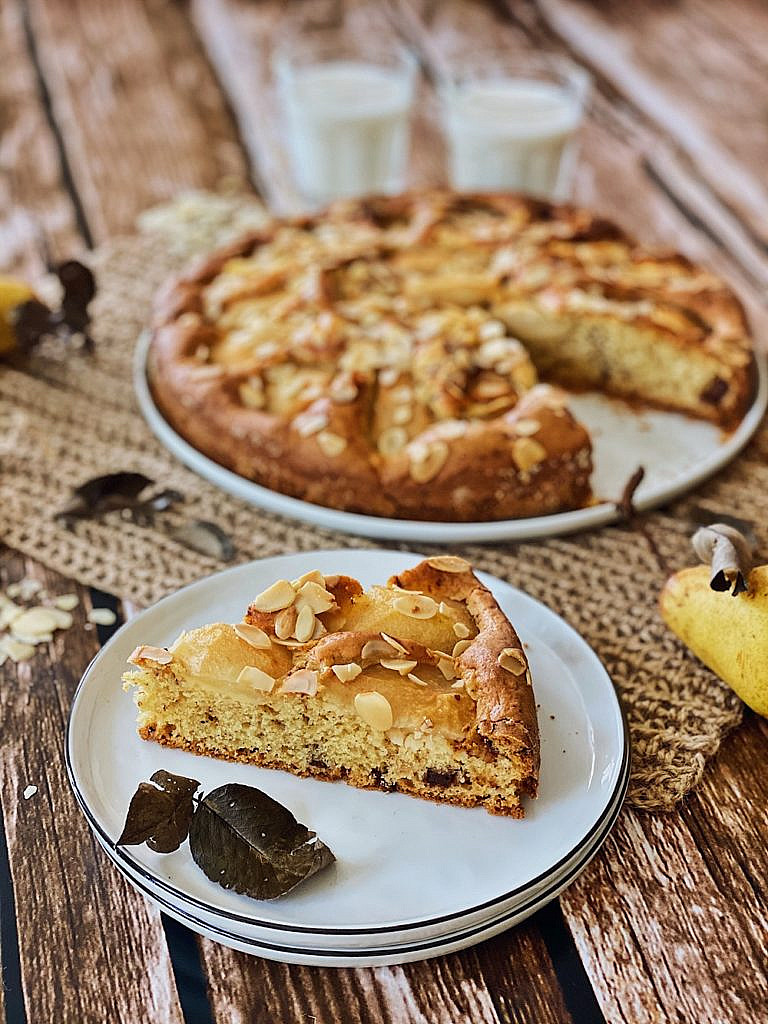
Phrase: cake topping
[331,444]
[305,624]
[304,681]
[417,606]
[346,673]
[528,453]
[461,630]
[285,622]
[449,563]
[145,652]
[256,678]
[513,661]
[426,460]
[275,598]
[398,665]
[460,646]
[253,635]
[393,643]
[374,709]
[415,679]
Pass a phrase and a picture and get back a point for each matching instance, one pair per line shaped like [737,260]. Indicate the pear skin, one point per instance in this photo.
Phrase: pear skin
[729,634]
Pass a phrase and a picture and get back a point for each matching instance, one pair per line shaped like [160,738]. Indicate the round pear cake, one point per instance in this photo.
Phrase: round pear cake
[407,356]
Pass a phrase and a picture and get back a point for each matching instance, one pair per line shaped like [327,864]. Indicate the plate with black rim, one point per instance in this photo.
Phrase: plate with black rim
[404,866]
[677,453]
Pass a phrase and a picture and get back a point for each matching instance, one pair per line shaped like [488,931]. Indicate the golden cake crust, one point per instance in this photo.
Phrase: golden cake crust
[286,355]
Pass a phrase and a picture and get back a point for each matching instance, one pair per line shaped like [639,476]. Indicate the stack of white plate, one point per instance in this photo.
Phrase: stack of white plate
[412,879]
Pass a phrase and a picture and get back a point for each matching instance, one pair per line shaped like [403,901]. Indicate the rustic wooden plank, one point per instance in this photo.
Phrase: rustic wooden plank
[697,69]
[509,978]
[670,919]
[138,107]
[240,37]
[91,949]
[34,203]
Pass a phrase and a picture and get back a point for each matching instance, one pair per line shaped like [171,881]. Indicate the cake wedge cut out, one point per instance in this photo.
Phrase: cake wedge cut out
[419,685]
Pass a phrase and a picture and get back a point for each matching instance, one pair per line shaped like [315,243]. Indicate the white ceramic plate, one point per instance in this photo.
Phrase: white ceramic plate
[677,453]
[387,845]
[335,950]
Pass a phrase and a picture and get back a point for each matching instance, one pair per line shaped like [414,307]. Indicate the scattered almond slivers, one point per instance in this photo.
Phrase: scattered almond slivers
[461,630]
[415,679]
[145,652]
[393,643]
[285,622]
[253,635]
[374,709]
[346,673]
[447,668]
[254,677]
[419,606]
[280,595]
[305,624]
[316,597]
[398,665]
[304,681]
[449,563]
[459,647]
[513,660]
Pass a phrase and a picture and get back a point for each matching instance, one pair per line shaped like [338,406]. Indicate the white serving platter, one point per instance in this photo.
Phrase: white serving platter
[677,453]
[406,869]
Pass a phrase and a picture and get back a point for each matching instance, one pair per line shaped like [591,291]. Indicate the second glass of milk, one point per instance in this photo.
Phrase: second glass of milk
[514,126]
[347,115]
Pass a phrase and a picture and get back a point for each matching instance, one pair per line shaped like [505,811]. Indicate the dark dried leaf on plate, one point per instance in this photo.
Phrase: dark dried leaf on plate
[79,287]
[246,841]
[206,538]
[103,494]
[159,815]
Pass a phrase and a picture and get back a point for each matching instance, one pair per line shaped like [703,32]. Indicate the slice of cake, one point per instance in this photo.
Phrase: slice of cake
[420,686]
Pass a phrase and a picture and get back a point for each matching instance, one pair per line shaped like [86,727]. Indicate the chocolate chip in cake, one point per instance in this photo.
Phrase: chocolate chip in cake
[435,777]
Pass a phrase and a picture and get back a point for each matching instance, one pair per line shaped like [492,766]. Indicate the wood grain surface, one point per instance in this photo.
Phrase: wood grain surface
[108,108]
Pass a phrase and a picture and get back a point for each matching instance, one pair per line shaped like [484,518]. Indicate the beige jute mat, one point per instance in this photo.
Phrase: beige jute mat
[62,422]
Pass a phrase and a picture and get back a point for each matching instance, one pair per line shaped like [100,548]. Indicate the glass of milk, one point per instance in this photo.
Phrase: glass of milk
[346,113]
[512,124]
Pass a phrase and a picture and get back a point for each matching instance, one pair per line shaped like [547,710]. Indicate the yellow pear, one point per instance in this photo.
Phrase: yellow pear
[729,634]
[12,293]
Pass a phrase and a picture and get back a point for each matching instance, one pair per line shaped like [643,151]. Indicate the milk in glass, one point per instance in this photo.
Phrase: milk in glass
[511,133]
[348,127]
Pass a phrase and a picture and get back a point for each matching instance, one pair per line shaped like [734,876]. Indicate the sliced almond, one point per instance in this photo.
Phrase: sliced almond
[402,414]
[419,606]
[253,635]
[449,563]
[319,631]
[274,598]
[305,624]
[313,576]
[524,428]
[145,652]
[66,602]
[254,677]
[102,616]
[375,650]
[346,673]
[527,453]
[398,665]
[459,647]
[304,681]
[461,630]
[310,423]
[447,667]
[331,581]
[457,685]
[513,660]
[317,597]
[285,622]
[392,440]
[374,709]
[415,679]
[426,460]
[393,643]
[343,391]
[331,444]
[34,622]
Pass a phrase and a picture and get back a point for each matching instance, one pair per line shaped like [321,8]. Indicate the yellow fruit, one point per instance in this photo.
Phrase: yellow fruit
[12,293]
[729,634]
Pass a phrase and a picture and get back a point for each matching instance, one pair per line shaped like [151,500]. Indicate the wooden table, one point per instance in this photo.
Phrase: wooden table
[107,108]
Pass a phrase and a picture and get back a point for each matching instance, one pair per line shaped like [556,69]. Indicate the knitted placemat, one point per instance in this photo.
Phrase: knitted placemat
[64,421]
